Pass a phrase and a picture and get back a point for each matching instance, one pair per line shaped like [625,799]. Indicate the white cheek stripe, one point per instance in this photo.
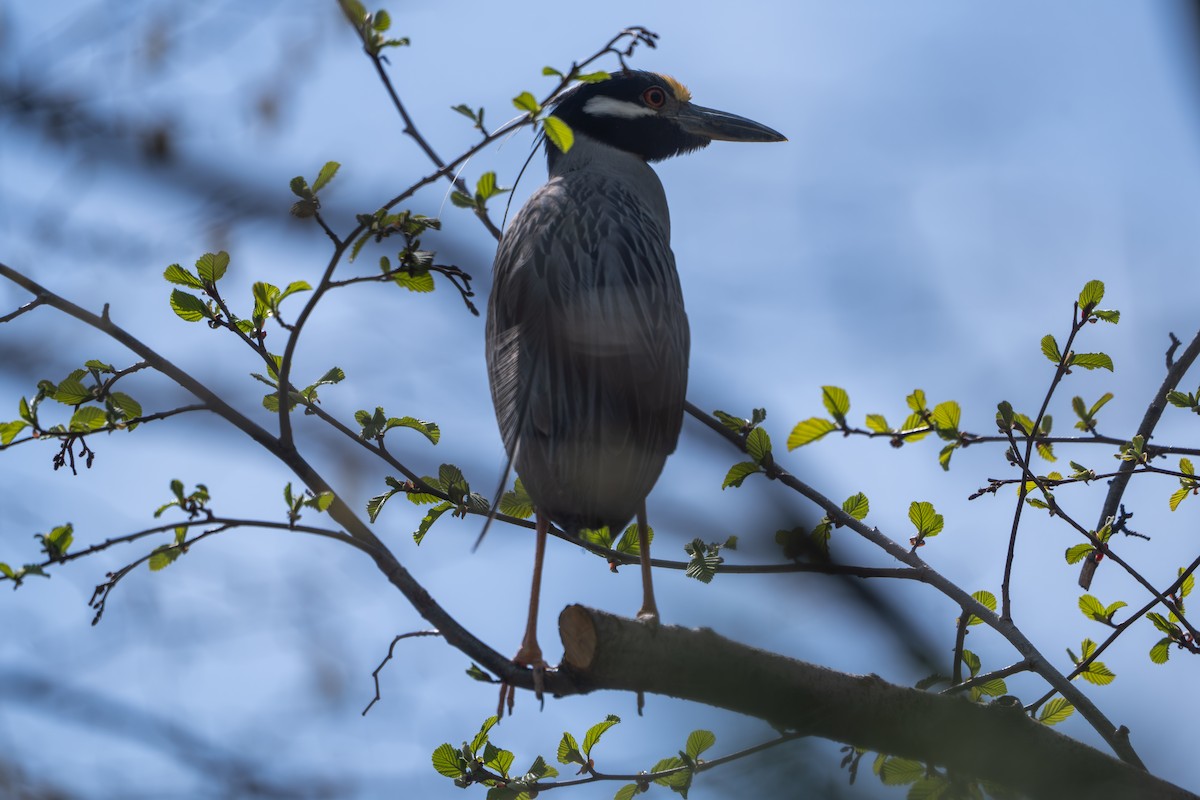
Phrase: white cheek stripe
[611,107]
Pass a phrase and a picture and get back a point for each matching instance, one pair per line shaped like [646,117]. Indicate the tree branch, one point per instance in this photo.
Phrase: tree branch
[997,742]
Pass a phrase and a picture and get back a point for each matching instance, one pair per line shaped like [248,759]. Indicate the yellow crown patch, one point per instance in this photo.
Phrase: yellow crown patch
[680,91]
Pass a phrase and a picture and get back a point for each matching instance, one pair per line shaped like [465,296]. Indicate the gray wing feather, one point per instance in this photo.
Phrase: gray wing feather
[587,344]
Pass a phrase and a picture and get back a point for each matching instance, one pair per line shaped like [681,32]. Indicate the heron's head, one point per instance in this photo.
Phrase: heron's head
[652,116]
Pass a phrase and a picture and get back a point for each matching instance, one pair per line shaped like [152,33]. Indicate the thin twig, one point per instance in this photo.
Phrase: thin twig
[1154,412]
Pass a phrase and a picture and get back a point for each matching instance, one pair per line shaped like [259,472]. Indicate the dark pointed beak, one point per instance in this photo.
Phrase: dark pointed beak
[726,127]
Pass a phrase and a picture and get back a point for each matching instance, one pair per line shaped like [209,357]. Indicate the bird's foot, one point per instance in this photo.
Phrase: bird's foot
[526,657]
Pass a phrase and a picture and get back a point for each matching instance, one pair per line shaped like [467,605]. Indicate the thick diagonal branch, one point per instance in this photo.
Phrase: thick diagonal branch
[997,742]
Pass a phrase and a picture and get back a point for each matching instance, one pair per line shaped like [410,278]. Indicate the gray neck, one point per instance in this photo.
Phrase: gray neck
[594,159]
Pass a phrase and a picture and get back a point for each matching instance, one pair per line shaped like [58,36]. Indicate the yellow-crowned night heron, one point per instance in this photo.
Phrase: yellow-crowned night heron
[587,339]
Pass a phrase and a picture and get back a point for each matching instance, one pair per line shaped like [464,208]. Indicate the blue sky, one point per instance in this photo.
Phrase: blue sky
[954,175]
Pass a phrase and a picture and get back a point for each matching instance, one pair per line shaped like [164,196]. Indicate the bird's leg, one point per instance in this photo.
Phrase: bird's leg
[530,654]
[649,612]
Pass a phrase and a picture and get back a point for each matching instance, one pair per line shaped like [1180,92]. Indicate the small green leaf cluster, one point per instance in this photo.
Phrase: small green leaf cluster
[943,419]
[97,406]
[1087,415]
[571,752]
[1188,400]
[1187,483]
[375,426]
[992,688]
[481,761]
[1089,297]
[1077,552]
[1086,360]
[18,575]
[1169,625]
[680,770]
[485,189]
[193,504]
[1092,608]
[1009,420]
[628,543]
[755,441]
[57,541]
[54,544]
[450,483]
[210,268]
[557,131]
[371,27]
[383,224]
[308,395]
[706,558]
[296,501]
[164,555]
[1095,672]
[928,523]
[800,544]
[309,204]
[475,115]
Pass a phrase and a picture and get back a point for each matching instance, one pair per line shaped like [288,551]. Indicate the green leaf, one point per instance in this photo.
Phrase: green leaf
[916,400]
[525,101]
[1092,608]
[927,521]
[901,771]
[447,761]
[945,453]
[877,423]
[698,741]
[299,187]
[1107,316]
[292,288]
[178,275]
[758,445]
[481,738]
[836,401]
[704,563]
[497,759]
[559,133]
[568,751]
[985,599]
[627,792]
[415,280]
[1091,295]
[1004,415]
[596,731]
[857,506]
[375,504]
[486,187]
[738,473]
[129,408]
[1098,674]
[9,430]
[1078,552]
[914,422]
[1050,349]
[1161,651]
[188,307]
[593,77]
[331,167]
[947,415]
[517,503]
[552,71]
[431,517]
[1055,711]
[462,200]
[71,392]
[163,556]
[677,779]
[1092,361]
[211,266]
[1178,496]
[808,431]
[88,418]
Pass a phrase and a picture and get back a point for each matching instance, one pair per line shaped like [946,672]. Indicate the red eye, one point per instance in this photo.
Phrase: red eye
[654,97]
